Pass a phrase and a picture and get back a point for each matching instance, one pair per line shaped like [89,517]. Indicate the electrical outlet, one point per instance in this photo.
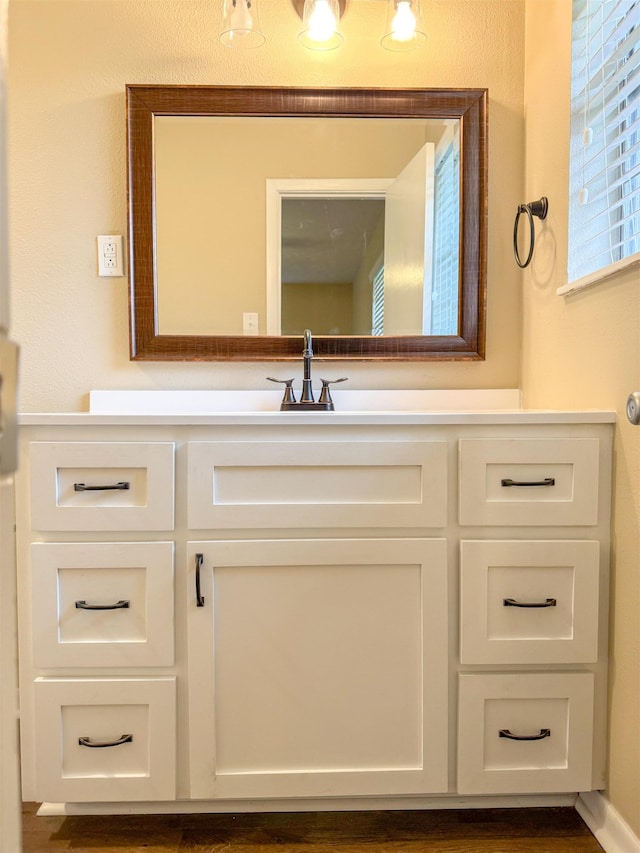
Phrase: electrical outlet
[110,255]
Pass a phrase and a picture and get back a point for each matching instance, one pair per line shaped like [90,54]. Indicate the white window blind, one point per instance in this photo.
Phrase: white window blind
[604,186]
[446,240]
[377,307]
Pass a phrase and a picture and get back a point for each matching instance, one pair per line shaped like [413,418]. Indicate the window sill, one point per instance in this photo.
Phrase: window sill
[600,276]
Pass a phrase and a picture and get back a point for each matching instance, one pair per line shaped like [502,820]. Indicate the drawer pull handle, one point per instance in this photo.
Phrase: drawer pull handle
[82,487]
[543,733]
[199,596]
[548,481]
[119,605]
[511,602]
[95,744]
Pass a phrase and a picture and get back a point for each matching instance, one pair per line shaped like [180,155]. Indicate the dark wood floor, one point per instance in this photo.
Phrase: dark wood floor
[549,830]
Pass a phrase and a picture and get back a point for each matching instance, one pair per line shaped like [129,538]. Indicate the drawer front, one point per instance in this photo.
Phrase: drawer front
[102,604]
[105,739]
[102,485]
[317,484]
[529,481]
[525,733]
[529,602]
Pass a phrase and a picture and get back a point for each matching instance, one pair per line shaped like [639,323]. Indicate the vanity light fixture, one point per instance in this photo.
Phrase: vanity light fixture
[241,25]
[320,23]
[404,29]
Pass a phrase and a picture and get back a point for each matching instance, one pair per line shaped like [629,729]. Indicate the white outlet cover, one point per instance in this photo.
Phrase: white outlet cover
[110,255]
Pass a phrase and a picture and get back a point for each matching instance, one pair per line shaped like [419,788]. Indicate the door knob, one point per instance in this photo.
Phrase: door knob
[633,408]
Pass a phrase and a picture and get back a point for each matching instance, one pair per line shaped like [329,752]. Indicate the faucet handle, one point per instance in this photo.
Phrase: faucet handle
[288,390]
[325,393]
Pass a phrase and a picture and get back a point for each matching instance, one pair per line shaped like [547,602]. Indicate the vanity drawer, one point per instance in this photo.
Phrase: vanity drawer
[102,604]
[102,485]
[529,481]
[281,484]
[529,601]
[525,733]
[132,721]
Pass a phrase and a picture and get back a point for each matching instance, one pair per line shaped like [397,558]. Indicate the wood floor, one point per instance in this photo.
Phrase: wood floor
[548,830]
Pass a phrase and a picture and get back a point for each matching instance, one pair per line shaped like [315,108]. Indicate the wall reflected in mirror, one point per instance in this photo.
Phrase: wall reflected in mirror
[345,226]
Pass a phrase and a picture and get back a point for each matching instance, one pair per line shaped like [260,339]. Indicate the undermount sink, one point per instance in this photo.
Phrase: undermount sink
[107,402]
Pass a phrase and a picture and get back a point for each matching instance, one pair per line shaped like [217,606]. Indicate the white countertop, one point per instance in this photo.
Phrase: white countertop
[385,407]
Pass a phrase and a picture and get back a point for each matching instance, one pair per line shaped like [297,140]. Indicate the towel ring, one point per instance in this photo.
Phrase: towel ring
[538,208]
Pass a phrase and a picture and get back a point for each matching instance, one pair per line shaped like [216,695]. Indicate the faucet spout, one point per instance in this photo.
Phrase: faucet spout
[307,355]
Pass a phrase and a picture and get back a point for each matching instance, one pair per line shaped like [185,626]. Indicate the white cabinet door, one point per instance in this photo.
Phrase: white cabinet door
[317,667]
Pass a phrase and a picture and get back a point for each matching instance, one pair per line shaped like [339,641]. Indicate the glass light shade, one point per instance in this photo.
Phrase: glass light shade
[320,20]
[404,29]
[241,25]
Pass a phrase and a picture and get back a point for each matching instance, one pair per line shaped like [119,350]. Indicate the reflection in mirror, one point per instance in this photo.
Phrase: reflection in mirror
[200,195]
[240,199]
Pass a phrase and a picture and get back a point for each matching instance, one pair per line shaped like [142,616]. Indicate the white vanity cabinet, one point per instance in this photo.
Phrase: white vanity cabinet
[304,608]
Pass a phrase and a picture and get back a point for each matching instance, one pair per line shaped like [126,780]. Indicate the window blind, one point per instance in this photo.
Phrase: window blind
[604,185]
[444,296]
[377,307]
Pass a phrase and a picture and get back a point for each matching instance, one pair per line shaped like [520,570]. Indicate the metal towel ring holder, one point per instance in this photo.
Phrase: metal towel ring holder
[538,208]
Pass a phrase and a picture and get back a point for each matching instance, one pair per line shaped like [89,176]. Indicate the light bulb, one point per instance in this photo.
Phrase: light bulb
[403,25]
[241,16]
[322,21]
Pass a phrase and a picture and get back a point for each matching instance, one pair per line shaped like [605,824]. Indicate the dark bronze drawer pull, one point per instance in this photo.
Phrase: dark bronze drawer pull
[548,481]
[94,744]
[543,733]
[82,487]
[119,605]
[199,596]
[511,602]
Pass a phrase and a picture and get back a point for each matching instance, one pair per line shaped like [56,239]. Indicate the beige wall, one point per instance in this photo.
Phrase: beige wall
[69,63]
[583,351]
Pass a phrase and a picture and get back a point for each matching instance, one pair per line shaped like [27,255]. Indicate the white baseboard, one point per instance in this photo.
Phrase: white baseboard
[609,828]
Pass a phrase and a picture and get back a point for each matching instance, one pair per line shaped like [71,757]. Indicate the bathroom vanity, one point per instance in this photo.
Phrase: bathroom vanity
[262,610]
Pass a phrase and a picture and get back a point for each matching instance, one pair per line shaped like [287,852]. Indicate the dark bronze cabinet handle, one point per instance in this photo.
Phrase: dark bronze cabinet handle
[511,602]
[548,481]
[199,596]
[82,487]
[95,744]
[543,733]
[119,605]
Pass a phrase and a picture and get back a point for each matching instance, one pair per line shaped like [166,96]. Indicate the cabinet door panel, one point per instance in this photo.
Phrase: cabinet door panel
[327,672]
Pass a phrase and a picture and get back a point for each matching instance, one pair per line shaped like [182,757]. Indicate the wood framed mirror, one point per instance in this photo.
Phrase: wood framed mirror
[155,221]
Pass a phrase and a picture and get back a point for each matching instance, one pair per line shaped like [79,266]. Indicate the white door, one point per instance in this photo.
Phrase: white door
[10,841]
[317,666]
[408,247]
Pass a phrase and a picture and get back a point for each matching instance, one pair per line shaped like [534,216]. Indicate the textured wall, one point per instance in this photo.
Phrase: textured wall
[69,63]
[583,351]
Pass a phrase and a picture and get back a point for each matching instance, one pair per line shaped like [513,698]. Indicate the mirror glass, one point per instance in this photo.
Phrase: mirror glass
[257,213]
[353,206]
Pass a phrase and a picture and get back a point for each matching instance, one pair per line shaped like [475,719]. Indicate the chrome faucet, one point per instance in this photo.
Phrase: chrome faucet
[307,403]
